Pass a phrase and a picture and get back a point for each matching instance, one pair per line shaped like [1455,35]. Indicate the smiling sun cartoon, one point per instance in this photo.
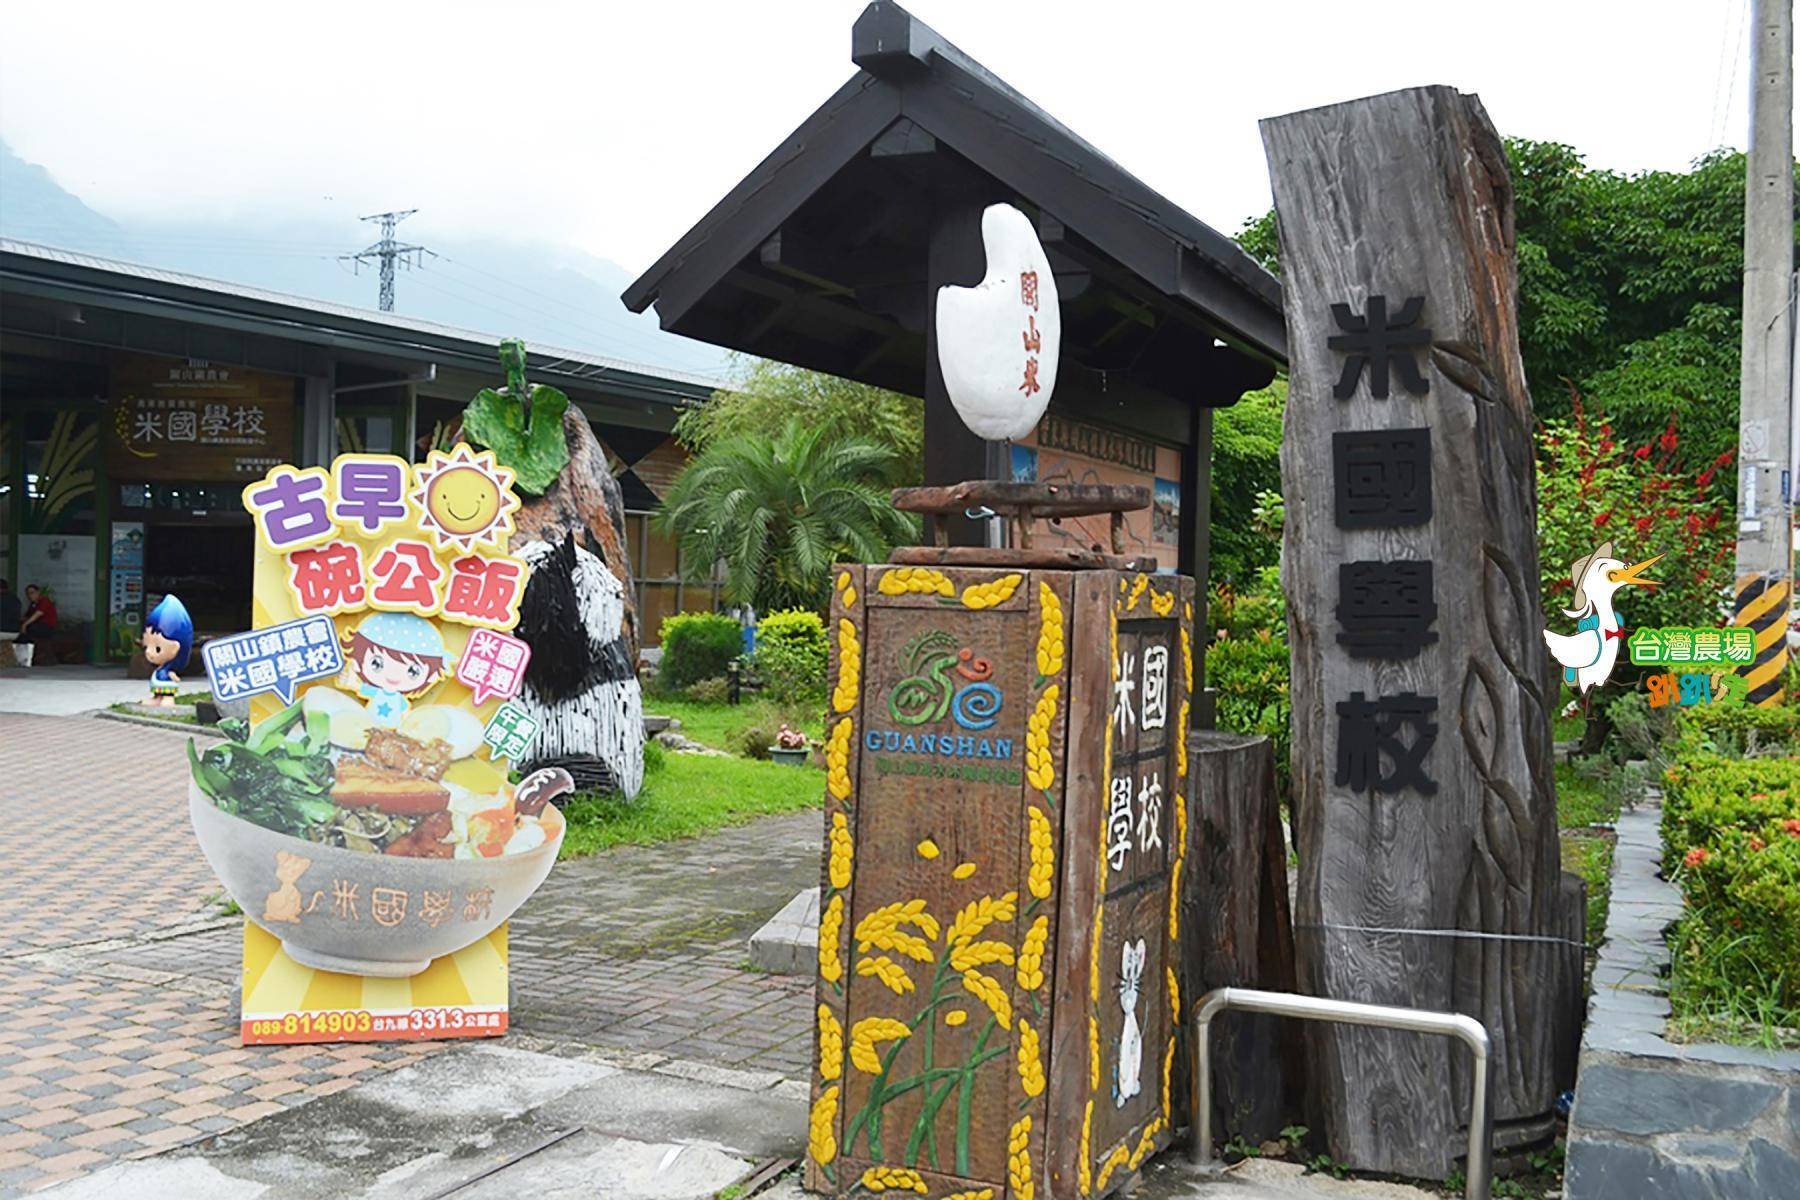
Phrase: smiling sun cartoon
[465,498]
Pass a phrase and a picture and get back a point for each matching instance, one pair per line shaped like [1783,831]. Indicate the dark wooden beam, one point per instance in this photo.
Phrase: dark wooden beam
[952,452]
[1195,555]
[753,210]
[840,311]
[1115,398]
[827,269]
[903,139]
[886,40]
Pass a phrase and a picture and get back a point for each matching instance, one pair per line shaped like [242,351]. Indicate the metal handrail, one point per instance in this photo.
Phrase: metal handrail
[1315,1008]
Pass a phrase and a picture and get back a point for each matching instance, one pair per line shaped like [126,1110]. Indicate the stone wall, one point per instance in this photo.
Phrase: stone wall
[1654,1118]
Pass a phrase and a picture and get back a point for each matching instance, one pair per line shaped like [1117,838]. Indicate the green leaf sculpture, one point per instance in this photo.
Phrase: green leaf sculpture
[521,424]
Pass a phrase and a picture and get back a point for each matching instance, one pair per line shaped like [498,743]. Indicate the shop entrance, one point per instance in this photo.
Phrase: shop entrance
[191,539]
[208,564]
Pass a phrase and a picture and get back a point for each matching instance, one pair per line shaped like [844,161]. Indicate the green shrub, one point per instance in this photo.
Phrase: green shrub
[754,740]
[791,653]
[1737,949]
[697,646]
[1739,729]
[1250,674]
[1639,731]
[1731,837]
[715,689]
[1707,795]
[1254,609]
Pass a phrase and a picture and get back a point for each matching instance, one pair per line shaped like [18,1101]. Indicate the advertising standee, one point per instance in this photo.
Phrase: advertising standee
[364,817]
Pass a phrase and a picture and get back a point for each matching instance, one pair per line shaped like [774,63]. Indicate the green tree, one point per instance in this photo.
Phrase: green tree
[768,395]
[1630,289]
[1246,462]
[778,511]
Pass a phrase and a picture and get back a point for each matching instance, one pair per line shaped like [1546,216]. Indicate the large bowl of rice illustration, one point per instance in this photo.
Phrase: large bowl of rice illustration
[371,850]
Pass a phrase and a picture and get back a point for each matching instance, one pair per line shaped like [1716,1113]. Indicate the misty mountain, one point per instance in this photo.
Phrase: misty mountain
[558,295]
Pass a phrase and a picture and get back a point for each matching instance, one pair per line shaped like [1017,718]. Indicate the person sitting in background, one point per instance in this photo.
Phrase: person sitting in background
[38,624]
[10,614]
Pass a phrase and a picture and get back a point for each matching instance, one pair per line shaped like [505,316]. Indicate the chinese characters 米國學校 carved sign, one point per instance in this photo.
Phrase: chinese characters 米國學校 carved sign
[1382,477]
[1385,609]
[1380,344]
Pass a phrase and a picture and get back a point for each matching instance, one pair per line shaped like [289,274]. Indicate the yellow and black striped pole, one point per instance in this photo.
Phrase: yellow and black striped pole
[1762,605]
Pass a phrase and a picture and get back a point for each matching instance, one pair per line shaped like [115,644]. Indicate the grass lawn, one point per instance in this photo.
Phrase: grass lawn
[1583,802]
[1582,799]
[184,716]
[723,725]
[1589,855]
[689,794]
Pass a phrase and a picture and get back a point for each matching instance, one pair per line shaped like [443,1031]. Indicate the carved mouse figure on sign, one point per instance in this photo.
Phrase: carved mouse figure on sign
[1131,1037]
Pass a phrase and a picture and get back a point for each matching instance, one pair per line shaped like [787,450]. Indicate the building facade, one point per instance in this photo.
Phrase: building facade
[136,403]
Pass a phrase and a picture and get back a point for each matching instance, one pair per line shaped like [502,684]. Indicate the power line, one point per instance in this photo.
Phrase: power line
[388,252]
[1712,117]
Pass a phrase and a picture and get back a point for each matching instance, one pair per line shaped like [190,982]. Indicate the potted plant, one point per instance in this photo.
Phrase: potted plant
[791,747]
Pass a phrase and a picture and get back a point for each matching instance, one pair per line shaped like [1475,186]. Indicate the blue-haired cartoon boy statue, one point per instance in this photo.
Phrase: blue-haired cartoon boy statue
[168,637]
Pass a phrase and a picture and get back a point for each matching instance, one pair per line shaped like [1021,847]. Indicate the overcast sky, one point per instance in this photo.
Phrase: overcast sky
[615,126]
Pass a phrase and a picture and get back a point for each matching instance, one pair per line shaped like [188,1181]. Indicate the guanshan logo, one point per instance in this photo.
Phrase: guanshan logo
[945,678]
[942,681]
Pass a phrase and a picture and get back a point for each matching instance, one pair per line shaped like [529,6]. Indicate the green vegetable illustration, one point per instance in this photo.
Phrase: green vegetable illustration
[268,777]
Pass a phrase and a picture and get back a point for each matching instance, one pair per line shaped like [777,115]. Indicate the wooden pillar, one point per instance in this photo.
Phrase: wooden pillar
[1236,932]
[1195,555]
[1427,837]
[952,452]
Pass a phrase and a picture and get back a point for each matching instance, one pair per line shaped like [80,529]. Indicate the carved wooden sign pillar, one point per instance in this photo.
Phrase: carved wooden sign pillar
[1424,801]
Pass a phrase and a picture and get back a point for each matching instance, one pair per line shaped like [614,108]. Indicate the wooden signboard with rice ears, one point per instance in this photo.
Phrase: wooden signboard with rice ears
[1005,829]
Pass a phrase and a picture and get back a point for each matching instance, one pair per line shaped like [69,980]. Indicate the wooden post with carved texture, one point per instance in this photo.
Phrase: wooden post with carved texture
[1424,798]
[1006,823]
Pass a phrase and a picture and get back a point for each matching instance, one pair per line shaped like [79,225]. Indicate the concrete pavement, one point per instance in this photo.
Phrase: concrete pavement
[489,1121]
[61,691]
[119,967]
[646,1059]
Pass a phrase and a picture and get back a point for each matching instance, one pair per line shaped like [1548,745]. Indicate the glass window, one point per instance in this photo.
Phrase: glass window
[366,433]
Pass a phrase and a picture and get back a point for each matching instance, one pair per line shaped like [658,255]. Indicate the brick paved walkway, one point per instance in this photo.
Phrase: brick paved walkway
[118,1031]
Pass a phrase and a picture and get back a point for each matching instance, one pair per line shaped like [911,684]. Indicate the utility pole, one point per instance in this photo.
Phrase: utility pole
[1765,516]
[387,250]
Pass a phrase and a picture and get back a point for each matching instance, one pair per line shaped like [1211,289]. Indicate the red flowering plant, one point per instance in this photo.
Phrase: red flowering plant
[1645,500]
[1731,841]
[1736,949]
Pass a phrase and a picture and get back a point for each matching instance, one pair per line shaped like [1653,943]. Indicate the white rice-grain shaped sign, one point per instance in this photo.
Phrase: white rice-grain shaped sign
[998,341]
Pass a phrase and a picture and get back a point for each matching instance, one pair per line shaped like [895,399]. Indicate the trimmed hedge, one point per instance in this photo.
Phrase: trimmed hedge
[1731,836]
[791,654]
[696,646]
[1705,795]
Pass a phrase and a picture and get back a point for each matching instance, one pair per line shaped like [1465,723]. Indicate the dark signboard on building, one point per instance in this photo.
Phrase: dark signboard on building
[187,419]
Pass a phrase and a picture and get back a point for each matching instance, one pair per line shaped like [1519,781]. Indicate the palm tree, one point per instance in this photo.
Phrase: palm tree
[778,511]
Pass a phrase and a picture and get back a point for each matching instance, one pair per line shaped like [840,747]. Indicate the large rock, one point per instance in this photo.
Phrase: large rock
[585,500]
